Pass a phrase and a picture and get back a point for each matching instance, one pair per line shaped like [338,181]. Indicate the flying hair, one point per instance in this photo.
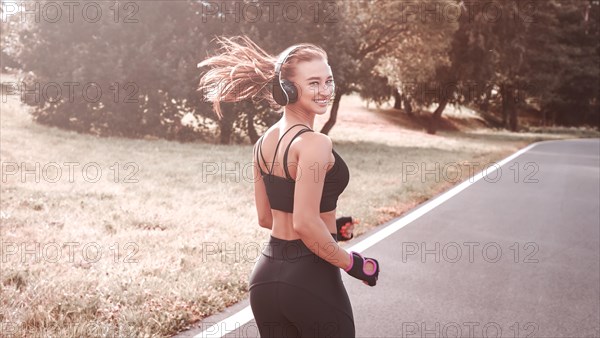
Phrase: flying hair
[242,70]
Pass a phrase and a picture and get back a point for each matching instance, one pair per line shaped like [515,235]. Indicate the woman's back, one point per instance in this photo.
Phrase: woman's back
[280,173]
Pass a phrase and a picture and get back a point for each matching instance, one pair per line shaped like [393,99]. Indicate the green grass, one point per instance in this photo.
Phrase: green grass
[159,270]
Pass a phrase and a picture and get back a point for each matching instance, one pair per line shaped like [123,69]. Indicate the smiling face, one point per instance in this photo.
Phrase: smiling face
[314,81]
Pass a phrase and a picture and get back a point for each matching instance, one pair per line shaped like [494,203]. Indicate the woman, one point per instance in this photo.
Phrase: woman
[296,289]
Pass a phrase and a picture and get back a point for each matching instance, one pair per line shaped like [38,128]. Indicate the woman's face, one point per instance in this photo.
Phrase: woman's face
[315,85]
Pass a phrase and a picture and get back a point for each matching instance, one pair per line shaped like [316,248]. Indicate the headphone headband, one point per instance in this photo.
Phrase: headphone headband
[282,58]
[284,92]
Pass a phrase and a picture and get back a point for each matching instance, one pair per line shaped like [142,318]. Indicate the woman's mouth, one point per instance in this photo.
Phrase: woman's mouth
[322,102]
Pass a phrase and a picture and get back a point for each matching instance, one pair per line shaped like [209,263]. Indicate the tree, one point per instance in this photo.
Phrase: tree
[124,81]
[8,28]
[406,46]
[488,54]
[570,95]
[530,53]
[378,35]
[419,67]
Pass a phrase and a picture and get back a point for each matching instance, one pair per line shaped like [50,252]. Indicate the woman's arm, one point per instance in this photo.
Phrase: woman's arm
[310,179]
[261,200]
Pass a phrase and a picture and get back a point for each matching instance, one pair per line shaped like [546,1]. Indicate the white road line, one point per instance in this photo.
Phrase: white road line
[228,324]
[245,315]
[400,223]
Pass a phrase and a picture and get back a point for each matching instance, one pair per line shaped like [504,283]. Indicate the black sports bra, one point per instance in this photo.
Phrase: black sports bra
[280,190]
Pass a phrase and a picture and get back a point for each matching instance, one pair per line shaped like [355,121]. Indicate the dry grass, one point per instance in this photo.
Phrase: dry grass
[141,258]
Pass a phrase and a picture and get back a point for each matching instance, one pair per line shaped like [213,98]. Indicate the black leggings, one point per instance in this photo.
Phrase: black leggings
[295,293]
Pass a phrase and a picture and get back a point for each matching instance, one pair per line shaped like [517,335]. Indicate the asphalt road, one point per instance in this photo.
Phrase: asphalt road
[515,254]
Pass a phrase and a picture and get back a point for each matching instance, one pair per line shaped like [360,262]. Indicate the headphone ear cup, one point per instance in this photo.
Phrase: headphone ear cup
[278,94]
[291,90]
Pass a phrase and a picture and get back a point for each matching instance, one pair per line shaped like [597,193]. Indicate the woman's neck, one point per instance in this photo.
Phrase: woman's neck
[292,120]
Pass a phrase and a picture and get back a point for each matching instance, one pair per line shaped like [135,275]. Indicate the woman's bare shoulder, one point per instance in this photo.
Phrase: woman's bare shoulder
[314,140]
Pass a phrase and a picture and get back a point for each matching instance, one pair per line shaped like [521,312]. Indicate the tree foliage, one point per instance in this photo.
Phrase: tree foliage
[116,73]
[133,71]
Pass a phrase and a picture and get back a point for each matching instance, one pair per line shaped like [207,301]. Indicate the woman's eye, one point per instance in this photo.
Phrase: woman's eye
[315,82]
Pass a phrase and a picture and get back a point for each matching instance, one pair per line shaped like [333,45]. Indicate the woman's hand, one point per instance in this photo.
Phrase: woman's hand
[345,227]
[370,267]
[363,268]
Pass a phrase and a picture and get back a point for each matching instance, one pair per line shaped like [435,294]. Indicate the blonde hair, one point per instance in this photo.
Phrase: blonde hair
[244,70]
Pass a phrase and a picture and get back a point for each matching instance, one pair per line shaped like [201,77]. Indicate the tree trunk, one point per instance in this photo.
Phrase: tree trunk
[485,105]
[226,123]
[333,114]
[514,122]
[512,109]
[504,92]
[544,117]
[153,116]
[225,128]
[407,106]
[509,109]
[437,116]
[252,134]
[397,99]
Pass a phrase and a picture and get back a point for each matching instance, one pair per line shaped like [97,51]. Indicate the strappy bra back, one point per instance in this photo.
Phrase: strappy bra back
[280,190]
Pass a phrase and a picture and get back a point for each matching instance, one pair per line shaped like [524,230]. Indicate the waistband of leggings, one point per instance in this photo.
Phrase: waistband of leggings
[278,248]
